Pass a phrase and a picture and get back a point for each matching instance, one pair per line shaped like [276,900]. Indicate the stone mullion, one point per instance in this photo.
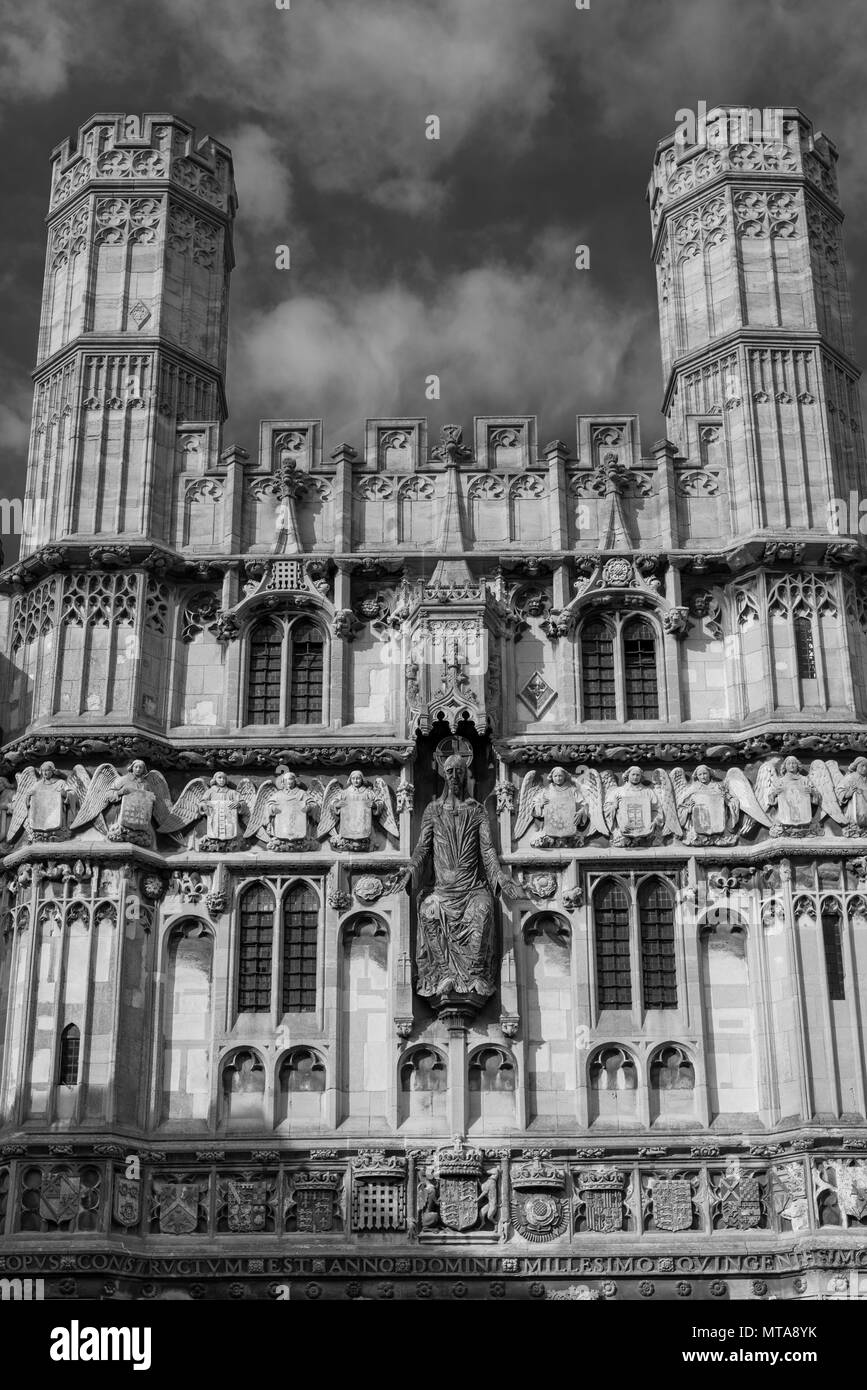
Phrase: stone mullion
[850,977]
[86,1027]
[757,947]
[793,954]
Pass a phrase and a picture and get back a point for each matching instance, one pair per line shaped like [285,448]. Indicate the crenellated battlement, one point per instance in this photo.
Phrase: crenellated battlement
[154,149]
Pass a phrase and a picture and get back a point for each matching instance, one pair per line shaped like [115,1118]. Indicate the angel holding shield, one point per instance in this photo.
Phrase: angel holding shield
[710,809]
[564,807]
[142,797]
[281,810]
[348,812]
[44,801]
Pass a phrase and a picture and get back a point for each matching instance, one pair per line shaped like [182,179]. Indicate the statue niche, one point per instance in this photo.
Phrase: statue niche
[455,957]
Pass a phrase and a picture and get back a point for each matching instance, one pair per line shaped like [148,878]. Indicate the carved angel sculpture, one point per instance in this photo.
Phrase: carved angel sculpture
[788,795]
[44,800]
[141,797]
[220,805]
[348,813]
[281,810]
[563,808]
[639,812]
[844,796]
[710,808]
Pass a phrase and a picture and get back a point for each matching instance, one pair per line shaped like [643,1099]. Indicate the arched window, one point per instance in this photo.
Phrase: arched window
[255,945]
[491,1069]
[833,942]
[70,1049]
[264,685]
[612,1069]
[285,681]
[613,975]
[300,931]
[306,666]
[639,671]
[423,1070]
[658,966]
[597,671]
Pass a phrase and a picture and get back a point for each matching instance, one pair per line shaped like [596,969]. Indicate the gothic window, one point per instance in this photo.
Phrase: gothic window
[266,656]
[805,652]
[658,968]
[300,931]
[639,667]
[613,974]
[286,672]
[619,678]
[256,936]
[597,671]
[305,674]
[70,1049]
[833,942]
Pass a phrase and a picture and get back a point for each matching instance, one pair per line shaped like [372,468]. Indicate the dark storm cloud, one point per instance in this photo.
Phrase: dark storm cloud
[412,257]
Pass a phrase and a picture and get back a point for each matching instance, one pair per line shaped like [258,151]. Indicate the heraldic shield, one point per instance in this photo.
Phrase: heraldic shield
[247,1204]
[672,1204]
[852,1189]
[459,1172]
[601,1191]
[178,1207]
[60,1197]
[538,1207]
[127,1201]
[316,1197]
[741,1205]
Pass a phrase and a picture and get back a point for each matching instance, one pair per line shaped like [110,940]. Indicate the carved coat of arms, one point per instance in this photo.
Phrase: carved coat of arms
[126,1206]
[247,1205]
[538,1204]
[178,1204]
[852,1189]
[741,1201]
[60,1197]
[315,1197]
[672,1204]
[601,1191]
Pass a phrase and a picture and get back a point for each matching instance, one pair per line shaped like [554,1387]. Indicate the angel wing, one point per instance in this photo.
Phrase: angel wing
[23,782]
[79,777]
[594,788]
[525,805]
[316,792]
[156,782]
[671,820]
[247,793]
[680,783]
[737,783]
[384,797]
[186,809]
[823,781]
[96,798]
[765,783]
[328,813]
[259,807]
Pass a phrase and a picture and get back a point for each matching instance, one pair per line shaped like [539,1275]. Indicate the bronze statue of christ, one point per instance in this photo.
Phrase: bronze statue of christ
[456,947]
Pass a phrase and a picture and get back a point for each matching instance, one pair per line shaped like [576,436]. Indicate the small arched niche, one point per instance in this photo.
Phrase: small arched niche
[672,1086]
[423,1086]
[491,1085]
[613,1078]
[242,1089]
[302,1081]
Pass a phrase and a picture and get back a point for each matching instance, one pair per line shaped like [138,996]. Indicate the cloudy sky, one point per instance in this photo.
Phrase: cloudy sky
[412,256]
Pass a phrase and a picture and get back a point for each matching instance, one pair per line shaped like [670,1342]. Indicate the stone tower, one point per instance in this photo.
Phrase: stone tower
[755,319]
[266,994]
